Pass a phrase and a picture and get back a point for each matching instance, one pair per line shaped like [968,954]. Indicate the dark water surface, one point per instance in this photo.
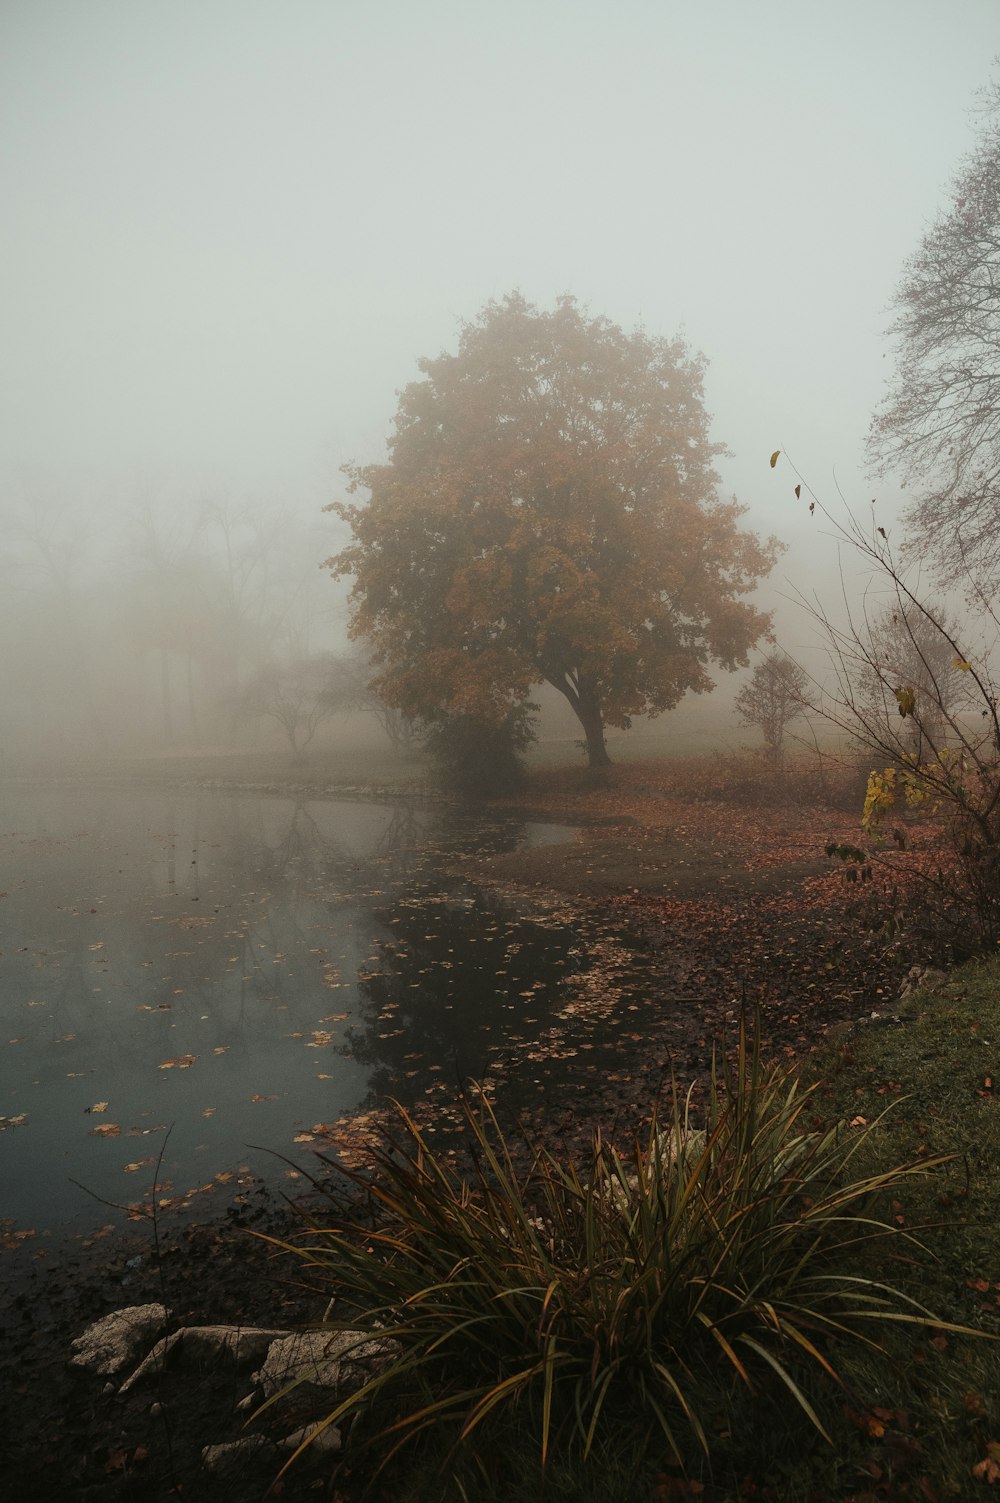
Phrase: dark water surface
[243,969]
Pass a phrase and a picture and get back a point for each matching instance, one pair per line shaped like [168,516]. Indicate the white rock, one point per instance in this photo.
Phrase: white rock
[321,1438]
[326,1359]
[234,1453]
[115,1341]
[205,1344]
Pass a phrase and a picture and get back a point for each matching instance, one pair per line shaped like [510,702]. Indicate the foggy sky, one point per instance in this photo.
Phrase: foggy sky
[231,227]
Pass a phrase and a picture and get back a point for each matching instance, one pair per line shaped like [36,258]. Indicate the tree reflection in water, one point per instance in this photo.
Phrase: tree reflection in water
[464,982]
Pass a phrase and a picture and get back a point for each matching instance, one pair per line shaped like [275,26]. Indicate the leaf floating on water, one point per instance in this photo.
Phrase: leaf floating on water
[106,1130]
[97,1108]
[139,1164]
[774,458]
[17,1121]
[182,1062]
[209,1111]
[11,1240]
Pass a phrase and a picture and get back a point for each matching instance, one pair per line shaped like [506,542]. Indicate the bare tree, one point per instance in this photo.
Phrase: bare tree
[772,699]
[932,723]
[912,650]
[939,425]
[298,696]
[351,681]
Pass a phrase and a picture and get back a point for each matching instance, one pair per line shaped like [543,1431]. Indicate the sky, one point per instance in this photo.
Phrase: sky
[231,227]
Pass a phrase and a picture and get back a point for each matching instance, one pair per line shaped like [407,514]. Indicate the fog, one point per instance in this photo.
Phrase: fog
[232,229]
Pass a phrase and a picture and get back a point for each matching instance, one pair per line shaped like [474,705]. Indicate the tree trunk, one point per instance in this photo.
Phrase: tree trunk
[591,719]
[587,709]
[165,699]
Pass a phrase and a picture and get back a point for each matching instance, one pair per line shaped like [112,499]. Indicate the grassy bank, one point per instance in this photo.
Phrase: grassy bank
[919,1418]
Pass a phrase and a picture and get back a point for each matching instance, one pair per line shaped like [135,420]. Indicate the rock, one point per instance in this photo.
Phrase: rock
[233,1454]
[331,1360]
[115,1341]
[204,1344]
[919,977]
[323,1439]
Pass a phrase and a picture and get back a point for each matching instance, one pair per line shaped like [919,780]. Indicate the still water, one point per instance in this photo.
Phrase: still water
[243,971]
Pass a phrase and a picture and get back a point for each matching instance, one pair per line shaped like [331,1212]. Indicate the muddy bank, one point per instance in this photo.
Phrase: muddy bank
[625,860]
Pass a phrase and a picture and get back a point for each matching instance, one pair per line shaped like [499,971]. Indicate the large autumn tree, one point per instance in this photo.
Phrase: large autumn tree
[549,512]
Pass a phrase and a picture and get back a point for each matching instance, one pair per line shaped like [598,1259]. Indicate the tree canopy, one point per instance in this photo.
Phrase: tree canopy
[939,425]
[549,512]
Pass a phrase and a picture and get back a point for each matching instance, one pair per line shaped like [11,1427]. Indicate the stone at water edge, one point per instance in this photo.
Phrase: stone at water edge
[322,1439]
[233,1454]
[193,1344]
[115,1341]
[330,1360]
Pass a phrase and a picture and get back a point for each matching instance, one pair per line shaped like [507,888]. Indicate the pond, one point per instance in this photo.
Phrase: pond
[233,979]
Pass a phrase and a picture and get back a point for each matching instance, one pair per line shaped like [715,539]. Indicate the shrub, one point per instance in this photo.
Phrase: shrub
[478,757]
[627,1295]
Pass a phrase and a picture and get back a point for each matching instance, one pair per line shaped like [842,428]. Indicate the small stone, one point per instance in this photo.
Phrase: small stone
[233,1454]
[155,1410]
[115,1341]
[321,1439]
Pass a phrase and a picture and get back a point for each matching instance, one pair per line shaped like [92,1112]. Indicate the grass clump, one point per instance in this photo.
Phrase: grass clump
[631,1296]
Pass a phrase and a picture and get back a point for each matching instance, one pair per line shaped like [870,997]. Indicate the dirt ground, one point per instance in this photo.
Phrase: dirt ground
[728,904]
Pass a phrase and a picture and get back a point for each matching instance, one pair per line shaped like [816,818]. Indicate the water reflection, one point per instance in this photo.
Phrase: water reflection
[241,967]
[463,983]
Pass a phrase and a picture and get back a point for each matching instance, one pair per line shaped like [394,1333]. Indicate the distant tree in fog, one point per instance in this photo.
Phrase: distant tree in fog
[297,696]
[908,650]
[549,512]
[351,676]
[939,425]
[215,599]
[772,699]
